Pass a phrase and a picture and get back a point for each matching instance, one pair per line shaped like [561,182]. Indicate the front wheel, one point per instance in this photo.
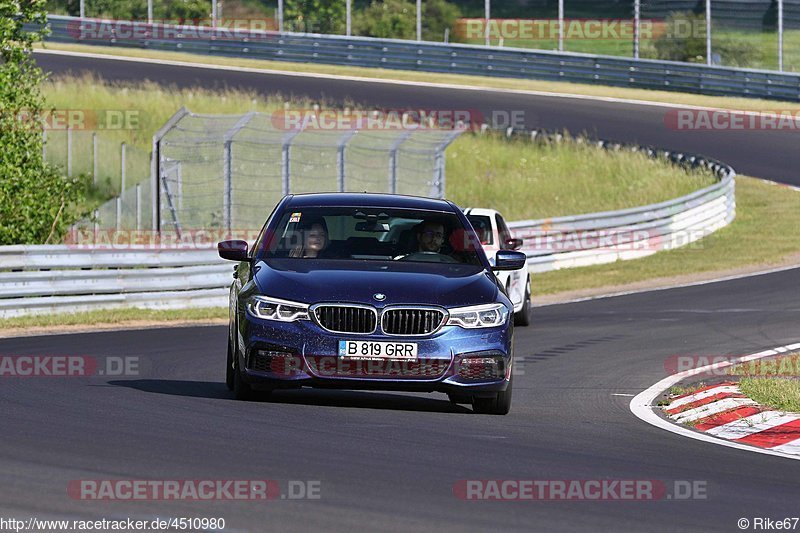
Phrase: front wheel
[229,369]
[457,398]
[523,317]
[499,405]
[241,389]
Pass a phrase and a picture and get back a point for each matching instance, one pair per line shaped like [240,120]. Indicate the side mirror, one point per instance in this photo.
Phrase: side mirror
[514,244]
[233,250]
[509,260]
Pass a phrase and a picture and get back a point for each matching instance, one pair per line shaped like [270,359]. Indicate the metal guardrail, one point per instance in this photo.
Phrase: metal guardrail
[44,279]
[434,57]
[64,278]
[605,237]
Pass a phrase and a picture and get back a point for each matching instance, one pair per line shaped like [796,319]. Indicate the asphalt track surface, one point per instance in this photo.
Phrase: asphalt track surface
[389,461]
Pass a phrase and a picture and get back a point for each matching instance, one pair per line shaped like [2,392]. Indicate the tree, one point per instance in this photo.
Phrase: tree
[390,19]
[685,40]
[315,16]
[36,202]
[396,19]
[136,9]
[438,15]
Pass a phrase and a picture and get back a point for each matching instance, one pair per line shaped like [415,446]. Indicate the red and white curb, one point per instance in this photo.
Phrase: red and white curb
[732,436]
[724,412]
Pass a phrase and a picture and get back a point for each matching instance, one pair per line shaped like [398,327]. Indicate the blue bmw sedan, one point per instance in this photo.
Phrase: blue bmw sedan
[370,291]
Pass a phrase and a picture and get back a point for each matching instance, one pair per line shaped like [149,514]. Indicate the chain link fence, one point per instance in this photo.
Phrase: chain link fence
[229,171]
[116,169]
[111,164]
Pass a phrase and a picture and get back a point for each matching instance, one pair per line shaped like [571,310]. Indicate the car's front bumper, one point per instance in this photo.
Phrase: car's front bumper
[301,354]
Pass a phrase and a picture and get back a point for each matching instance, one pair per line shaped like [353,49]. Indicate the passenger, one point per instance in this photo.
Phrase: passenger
[314,238]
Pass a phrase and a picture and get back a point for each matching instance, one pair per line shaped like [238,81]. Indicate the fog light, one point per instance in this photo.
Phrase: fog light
[482,368]
[277,362]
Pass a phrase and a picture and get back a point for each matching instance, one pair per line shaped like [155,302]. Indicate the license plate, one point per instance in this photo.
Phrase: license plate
[377,350]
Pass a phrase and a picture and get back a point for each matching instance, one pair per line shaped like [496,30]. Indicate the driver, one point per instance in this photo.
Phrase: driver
[430,236]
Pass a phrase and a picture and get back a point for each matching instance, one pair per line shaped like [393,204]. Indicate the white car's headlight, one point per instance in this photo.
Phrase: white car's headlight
[478,316]
[276,309]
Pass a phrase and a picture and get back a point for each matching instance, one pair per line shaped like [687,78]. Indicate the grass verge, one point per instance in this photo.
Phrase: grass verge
[774,381]
[751,104]
[779,393]
[763,234]
[527,181]
[762,46]
[114,317]
[783,366]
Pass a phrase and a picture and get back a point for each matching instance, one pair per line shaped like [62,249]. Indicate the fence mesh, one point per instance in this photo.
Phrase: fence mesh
[230,171]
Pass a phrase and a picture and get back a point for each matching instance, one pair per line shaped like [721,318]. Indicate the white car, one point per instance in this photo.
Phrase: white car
[495,235]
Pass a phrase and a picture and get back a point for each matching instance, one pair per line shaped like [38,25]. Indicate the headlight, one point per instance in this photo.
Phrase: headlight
[275,309]
[478,316]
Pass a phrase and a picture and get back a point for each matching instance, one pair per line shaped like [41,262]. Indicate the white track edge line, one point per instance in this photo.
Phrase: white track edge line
[642,404]
[454,86]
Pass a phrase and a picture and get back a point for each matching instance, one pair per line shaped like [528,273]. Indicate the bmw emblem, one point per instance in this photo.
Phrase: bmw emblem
[379,296]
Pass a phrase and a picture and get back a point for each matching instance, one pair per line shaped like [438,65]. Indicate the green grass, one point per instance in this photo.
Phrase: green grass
[527,181]
[113,316]
[752,104]
[779,393]
[764,43]
[763,234]
[154,104]
[785,365]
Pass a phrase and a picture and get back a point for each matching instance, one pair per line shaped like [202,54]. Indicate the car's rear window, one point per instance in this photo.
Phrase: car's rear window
[371,234]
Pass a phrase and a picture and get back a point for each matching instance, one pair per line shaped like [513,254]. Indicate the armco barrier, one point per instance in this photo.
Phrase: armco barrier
[605,237]
[432,57]
[43,279]
[51,278]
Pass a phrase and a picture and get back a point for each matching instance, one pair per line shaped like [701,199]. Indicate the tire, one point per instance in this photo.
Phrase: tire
[241,389]
[459,398]
[229,370]
[499,405]
[523,318]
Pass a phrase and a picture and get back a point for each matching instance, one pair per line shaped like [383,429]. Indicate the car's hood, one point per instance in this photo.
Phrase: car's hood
[312,281]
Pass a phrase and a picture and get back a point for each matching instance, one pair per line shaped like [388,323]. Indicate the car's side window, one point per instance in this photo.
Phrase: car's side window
[503,231]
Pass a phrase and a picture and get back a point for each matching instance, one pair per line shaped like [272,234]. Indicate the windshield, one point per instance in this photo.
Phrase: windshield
[372,234]
[483,227]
